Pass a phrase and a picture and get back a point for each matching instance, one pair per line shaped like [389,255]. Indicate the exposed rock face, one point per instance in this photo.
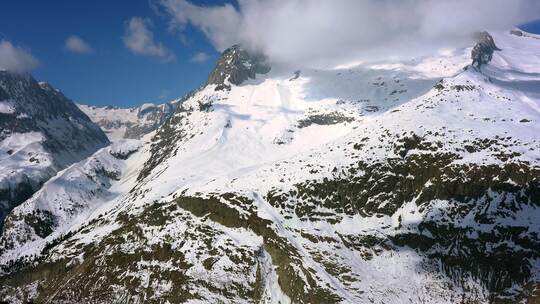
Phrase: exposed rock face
[482,52]
[37,107]
[41,131]
[516,32]
[237,65]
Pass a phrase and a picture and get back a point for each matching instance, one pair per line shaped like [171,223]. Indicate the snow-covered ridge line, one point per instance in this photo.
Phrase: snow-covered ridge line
[64,201]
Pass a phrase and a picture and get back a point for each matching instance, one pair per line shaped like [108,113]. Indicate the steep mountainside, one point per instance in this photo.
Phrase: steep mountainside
[41,132]
[132,123]
[386,182]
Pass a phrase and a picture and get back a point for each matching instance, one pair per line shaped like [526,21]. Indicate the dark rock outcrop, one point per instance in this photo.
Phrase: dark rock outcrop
[516,32]
[482,52]
[237,65]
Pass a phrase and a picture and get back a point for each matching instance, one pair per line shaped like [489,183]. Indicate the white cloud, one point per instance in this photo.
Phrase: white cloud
[333,32]
[219,23]
[16,59]
[76,44]
[200,57]
[139,39]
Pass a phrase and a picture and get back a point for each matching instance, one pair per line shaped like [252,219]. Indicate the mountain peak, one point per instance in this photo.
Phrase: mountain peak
[237,65]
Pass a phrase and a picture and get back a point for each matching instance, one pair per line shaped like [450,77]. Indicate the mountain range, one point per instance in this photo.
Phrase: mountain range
[130,123]
[393,181]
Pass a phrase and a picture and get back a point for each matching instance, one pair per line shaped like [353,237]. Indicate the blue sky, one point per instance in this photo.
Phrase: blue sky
[109,73]
[532,27]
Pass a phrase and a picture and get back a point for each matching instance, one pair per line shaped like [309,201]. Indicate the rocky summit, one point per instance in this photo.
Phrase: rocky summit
[237,65]
[396,181]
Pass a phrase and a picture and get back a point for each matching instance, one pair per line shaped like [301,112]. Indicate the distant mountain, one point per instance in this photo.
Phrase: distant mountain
[395,181]
[131,123]
[41,132]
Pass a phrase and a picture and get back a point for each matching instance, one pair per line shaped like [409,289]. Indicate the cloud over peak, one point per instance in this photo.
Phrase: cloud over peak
[15,58]
[333,32]
[139,39]
[77,45]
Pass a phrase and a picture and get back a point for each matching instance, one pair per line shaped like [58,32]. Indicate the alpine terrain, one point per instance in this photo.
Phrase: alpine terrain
[132,123]
[41,132]
[395,181]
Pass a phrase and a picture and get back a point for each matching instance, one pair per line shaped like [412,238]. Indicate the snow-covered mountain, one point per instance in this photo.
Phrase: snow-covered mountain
[41,132]
[412,181]
[131,123]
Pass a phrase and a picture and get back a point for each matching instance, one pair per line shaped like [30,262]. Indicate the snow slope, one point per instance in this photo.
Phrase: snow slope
[389,182]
